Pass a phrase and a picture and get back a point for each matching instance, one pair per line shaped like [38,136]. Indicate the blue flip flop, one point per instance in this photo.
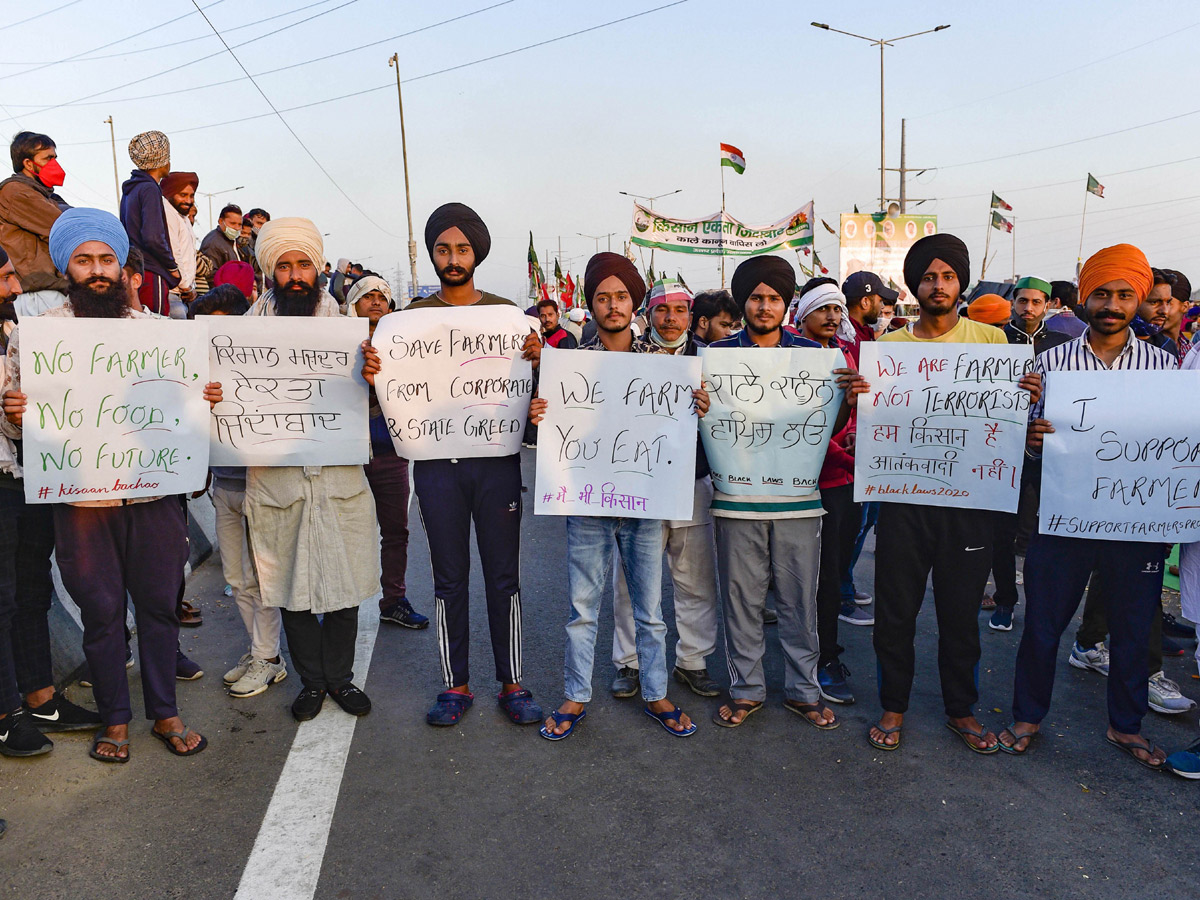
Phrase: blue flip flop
[675,714]
[560,717]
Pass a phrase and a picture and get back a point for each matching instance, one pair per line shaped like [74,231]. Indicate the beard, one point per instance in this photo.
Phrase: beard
[455,276]
[99,298]
[939,303]
[297,298]
[183,208]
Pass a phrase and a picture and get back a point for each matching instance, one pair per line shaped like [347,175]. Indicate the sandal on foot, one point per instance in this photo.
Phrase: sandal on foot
[165,737]
[449,707]
[1017,738]
[803,709]
[1144,745]
[675,714]
[966,733]
[746,706]
[559,717]
[520,707]
[880,745]
[101,739]
[191,616]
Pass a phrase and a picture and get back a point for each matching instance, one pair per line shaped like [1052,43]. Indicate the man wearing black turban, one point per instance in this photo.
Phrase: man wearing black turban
[460,217]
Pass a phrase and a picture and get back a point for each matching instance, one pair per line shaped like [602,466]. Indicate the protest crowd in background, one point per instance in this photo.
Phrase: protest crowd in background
[303,544]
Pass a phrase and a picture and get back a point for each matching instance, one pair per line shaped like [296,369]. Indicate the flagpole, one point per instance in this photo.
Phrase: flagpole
[1014,240]
[722,225]
[987,244]
[1082,223]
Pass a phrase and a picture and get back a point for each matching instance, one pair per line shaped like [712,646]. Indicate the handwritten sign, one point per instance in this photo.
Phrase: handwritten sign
[293,391]
[1123,462]
[619,436]
[771,415]
[453,383]
[943,424]
[116,408]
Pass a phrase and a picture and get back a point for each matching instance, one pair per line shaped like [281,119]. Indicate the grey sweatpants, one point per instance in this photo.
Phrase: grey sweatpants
[749,552]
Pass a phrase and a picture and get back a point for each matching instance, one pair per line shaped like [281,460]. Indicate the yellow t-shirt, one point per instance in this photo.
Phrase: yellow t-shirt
[965,332]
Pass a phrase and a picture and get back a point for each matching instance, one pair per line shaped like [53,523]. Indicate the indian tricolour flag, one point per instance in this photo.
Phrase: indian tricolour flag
[731,156]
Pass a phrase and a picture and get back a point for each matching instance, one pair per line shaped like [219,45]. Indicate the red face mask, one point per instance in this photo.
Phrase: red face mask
[52,174]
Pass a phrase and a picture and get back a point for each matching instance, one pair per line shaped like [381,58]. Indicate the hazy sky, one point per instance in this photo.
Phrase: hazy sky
[544,139]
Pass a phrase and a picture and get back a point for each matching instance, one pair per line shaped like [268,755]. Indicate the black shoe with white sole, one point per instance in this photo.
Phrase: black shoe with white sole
[698,681]
[351,699]
[60,714]
[20,737]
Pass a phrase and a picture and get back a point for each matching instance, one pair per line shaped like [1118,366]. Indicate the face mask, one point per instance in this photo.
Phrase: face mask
[663,342]
[232,233]
[882,324]
[52,174]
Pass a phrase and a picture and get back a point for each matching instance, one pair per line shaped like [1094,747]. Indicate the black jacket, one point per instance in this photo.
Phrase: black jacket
[1043,339]
[145,221]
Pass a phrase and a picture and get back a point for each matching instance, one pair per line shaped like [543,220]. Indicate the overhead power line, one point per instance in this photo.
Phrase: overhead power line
[40,15]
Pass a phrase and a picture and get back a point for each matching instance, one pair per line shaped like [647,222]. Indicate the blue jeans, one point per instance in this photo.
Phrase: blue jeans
[590,544]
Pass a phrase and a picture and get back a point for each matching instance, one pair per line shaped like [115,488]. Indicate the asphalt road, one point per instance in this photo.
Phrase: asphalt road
[621,810]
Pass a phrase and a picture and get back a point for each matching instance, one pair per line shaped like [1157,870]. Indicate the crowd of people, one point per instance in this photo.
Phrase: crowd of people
[302,547]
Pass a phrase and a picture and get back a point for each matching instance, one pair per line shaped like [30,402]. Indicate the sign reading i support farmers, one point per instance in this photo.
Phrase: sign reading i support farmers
[1122,463]
[770,417]
[943,424]
[453,383]
[720,234]
[619,435]
[116,408]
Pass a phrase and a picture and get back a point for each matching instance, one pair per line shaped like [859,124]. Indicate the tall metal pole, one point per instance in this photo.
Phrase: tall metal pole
[986,246]
[1014,240]
[1082,224]
[412,244]
[882,157]
[722,226]
[903,170]
[116,176]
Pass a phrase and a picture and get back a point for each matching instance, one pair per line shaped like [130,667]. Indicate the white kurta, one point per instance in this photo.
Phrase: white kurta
[183,246]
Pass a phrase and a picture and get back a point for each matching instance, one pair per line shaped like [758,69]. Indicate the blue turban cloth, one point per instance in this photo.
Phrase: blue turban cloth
[78,226]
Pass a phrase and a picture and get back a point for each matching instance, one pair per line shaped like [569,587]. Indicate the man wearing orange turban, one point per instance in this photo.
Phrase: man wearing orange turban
[990,309]
[1112,284]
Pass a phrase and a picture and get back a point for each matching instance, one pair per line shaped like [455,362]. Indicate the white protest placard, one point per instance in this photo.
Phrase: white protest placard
[453,383]
[771,416]
[1123,462]
[943,424]
[116,408]
[619,435]
[293,391]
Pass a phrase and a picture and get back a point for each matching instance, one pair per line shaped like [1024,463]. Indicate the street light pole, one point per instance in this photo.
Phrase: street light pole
[597,237]
[882,43]
[217,194]
[651,201]
[116,177]
[412,244]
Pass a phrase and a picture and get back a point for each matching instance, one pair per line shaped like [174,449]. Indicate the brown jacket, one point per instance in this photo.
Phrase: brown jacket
[26,214]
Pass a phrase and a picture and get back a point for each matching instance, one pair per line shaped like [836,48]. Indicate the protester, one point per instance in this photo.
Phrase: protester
[257,218]
[220,244]
[239,275]
[614,289]
[28,208]
[1181,298]
[145,219]
[338,283]
[109,548]
[1114,283]
[553,334]
[574,323]
[179,199]
[1152,314]
[454,492]
[715,316]
[1065,297]
[990,309]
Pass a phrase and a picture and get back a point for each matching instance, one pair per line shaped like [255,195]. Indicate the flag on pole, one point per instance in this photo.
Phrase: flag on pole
[997,203]
[1000,223]
[650,277]
[1095,187]
[559,284]
[817,264]
[804,270]
[536,278]
[828,227]
[679,278]
[731,156]
[568,292]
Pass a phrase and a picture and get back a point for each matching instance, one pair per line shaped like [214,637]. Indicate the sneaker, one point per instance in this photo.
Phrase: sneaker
[855,615]
[770,616]
[351,699]
[402,613]
[259,675]
[308,704]
[186,669]
[20,737]
[861,599]
[627,683]
[1186,763]
[1094,658]
[60,714]
[235,674]
[1172,647]
[1166,698]
[832,678]
[1001,619]
[1172,627]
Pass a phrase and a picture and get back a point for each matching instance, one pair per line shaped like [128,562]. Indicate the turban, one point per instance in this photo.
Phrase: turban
[280,236]
[819,297]
[238,274]
[3,258]
[150,150]
[772,271]
[1121,262]
[174,182]
[362,287]
[945,247]
[466,220]
[1181,290]
[603,265]
[80,225]
[990,309]
[668,290]
[1035,284]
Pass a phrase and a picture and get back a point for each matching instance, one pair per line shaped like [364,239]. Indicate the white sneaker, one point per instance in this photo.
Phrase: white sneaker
[239,670]
[259,676]
[1094,658]
[1166,698]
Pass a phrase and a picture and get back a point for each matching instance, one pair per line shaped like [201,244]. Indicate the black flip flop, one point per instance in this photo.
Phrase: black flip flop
[1145,746]
[165,737]
[746,706]
[101,739]
[1017,738]
[880,745]
[803,709]
[964,733]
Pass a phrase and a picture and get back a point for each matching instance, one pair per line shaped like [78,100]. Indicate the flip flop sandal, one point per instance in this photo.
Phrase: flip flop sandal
[803,709]
[964,733]
[1144,746]
[675,714]
[101,739]
[747,706]
[191,616]
[1017,738]
[880,745]
[166,736]
[560,717]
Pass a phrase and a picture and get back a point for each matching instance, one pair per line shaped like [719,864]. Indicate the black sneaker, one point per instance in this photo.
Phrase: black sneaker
[627,683]
[60,714]
[698,681]
[20,737]
[308,704]
[402,613]
[1173,628]
[351,699]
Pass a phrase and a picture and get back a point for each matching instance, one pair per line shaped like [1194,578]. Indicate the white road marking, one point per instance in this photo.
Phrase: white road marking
[285,863]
